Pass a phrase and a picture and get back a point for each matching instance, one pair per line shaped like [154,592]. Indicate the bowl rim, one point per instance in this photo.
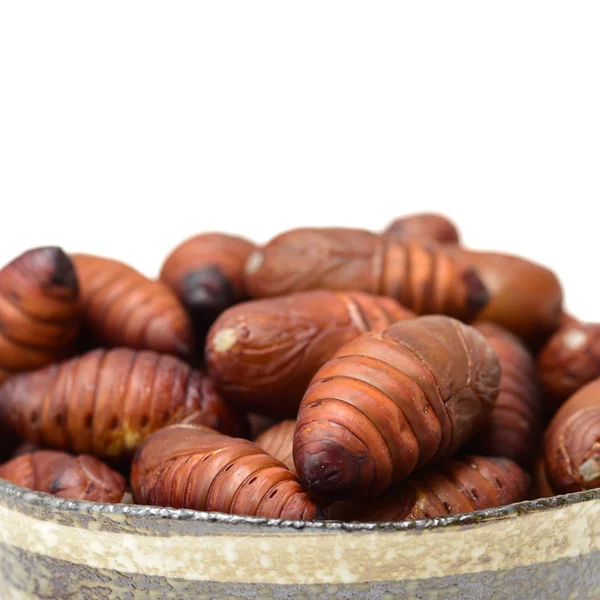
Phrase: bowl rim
[29,498]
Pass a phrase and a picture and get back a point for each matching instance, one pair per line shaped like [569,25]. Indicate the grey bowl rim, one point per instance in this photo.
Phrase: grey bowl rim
[28,497]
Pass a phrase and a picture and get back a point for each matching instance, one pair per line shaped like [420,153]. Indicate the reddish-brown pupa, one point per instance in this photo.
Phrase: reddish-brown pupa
[524,297]
[40,310]
[277,441]
[207,274]
[263,354]
[425,278]
[190,467]
[572,442]
[107,403]
[389,403]
[124,308]
[570,360]
[76,477]
[455,486]
[513,430]
[423,227]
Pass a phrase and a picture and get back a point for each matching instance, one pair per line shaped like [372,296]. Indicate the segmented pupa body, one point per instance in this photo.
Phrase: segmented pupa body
[391,402]
[193,467]
[262,354]
[40,310]
[106,402]
[425,278]
[123,308]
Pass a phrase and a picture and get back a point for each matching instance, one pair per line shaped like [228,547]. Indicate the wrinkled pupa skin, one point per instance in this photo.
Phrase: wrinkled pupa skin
[277,441]
[60,474]
[514,428]
[193,467]
[107,402]
[123,308]
[422,277]
[263,354]
[40,310]
[207,274]
[569,360]
[572,442]
[524,297]
[455,486]
[424,227]
[389,403]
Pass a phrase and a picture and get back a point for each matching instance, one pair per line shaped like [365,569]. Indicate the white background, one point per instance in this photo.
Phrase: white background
[126,127]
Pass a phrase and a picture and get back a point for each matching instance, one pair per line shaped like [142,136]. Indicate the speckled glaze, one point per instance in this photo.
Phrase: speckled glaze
[60,549]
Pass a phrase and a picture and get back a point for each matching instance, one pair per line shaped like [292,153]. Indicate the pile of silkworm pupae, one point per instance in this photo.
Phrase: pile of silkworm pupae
[331,374]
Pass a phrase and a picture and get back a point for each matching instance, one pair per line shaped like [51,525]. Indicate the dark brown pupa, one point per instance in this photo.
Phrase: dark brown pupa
[515,425]
[263,354]
[123,308]
[424,227]
[40,310]
[389,403]
[193,467]
[107,402]
[455,486]
[60,474]
[207,274]
[425,278]
[572,442]
[569,360]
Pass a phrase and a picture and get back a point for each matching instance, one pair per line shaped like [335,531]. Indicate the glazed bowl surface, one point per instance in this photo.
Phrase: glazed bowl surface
[53,548]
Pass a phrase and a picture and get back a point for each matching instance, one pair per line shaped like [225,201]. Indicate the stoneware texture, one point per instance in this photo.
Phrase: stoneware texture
[61,549]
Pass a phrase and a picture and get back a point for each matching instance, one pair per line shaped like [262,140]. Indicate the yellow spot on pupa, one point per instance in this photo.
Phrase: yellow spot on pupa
[132,438]
[224,339]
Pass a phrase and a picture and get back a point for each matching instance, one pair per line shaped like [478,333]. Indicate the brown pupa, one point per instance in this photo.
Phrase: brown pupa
[455,486]
[524,297]
[107,402]
[425,278]
[207,274]
[277,441]
[389,403]
[424,227]
[40,310]
[569,360]
[514,428]
[124,308]
[193,467]
[263,354]
[572,442]
[76,477]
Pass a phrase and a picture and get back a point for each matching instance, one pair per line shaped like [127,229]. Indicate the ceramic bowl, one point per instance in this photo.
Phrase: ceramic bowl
[61,549]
